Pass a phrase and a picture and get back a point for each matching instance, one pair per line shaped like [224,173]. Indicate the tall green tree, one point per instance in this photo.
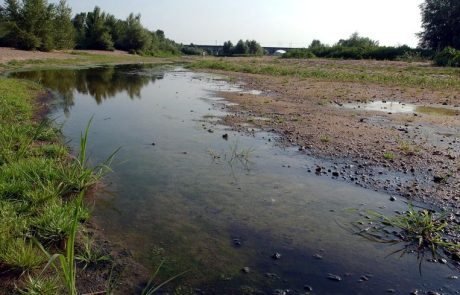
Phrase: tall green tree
[254,47]
[64,31]
[96,32]
[241,48]
[228,48]
[441,24]
[355,40]
[136,37]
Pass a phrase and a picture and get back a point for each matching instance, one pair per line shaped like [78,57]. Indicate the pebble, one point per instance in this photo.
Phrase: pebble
[318,256]
[308,288]
[246,269]
[333,277]
[393,199]
[276,256]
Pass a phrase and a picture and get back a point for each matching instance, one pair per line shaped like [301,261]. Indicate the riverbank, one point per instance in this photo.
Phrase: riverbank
[40,182]
[320,107]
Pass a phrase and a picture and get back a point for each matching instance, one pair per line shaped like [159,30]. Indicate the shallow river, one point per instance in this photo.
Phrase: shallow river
[216,205]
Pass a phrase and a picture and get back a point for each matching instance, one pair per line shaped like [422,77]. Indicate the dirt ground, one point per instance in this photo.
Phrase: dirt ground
[411,155]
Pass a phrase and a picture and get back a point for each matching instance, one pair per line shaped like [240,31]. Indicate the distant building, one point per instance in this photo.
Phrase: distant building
[279,52]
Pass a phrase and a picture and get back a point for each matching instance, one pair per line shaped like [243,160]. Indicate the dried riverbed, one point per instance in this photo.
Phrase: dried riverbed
[410,153]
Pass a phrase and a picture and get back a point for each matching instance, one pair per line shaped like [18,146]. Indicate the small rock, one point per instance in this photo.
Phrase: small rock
[318,256]
[391,291]
[333,277]
[153,143]
[453,278]
[225,136]
[393,199]
[335,174]
[308,288]
[246,269]
[276,256]
[442,261]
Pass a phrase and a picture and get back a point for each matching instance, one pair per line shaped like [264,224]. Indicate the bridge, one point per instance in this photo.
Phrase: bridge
[218,49]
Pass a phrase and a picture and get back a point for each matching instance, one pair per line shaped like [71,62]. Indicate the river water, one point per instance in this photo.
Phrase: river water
[216,204]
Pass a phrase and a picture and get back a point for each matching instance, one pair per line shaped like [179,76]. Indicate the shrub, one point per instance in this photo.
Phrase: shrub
[299,53]
[449,57]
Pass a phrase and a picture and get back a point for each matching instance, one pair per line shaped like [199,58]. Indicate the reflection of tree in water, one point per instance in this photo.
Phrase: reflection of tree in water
[101,83]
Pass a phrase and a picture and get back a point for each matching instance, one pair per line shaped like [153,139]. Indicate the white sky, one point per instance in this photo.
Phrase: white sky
[272,23]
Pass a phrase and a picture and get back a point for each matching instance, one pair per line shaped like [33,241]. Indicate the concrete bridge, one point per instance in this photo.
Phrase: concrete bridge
[218,49]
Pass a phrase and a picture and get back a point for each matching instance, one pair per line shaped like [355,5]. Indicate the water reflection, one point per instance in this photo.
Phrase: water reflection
[100,83]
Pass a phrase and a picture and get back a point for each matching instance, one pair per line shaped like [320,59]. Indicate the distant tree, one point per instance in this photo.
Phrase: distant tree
[228,48]
[160,34]
[441,24]
[64,31]
[241,48]
[357,41]
[254,47]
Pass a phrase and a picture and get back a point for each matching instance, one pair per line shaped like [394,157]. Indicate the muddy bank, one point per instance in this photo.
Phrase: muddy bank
[414,155]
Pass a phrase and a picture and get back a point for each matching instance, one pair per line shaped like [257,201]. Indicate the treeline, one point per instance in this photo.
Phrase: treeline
[357,47]
[248,47]
[38,25]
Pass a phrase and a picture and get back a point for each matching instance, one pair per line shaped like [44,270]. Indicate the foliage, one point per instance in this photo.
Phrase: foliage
[192,50]
[441,24]
[299,53]
[39,183]
[35,24]
[248,47]
[449,57]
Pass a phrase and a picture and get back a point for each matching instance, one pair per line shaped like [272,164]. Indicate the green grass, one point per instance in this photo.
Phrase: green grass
[419,230]
[39,185]
[388,156]
[84,59]
[412,76]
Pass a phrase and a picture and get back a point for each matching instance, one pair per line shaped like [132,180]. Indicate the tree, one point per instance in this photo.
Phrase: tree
[357,41]
[96,32]
[228,48]
[441,24]
[64,31]
[241,48]
[254,47]
[136,37]
[79,23]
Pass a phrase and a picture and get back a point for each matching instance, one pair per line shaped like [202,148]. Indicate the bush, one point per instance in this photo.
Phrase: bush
[299,53]
[449,57]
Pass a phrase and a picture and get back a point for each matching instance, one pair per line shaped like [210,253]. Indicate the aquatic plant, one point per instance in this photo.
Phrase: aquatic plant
[151,288]
[420,231]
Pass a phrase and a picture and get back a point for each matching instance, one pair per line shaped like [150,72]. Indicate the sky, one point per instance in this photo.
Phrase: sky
[282,23]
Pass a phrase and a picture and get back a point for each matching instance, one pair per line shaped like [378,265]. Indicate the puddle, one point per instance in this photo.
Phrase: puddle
[217,204]
[382,106]
[404,108]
